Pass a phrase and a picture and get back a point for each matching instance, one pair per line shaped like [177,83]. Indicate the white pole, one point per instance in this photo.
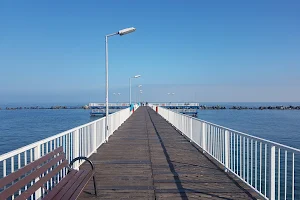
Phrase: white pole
[272,179]
[227,150]
[106,99]
[129,91]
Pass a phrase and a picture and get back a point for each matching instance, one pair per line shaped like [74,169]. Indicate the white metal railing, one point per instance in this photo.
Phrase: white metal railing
[80,141]
[270,168]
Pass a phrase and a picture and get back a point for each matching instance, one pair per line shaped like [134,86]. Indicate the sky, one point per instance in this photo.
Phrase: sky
[204,51]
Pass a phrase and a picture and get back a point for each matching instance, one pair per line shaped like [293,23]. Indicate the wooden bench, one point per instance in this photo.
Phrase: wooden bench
[46,169]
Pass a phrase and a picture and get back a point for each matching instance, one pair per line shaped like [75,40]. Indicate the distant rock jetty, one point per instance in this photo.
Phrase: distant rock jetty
[47,108]
[203,107]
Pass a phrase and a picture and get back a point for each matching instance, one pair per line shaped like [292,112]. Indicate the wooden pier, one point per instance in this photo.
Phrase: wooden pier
[146,158]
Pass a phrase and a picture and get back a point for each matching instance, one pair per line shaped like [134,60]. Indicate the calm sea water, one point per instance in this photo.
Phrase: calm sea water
[22,127]
[276,125]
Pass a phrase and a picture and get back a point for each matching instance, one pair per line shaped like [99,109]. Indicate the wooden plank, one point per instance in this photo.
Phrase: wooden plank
[74,193]
[21,183]
[17,174]
[70,183]
[60,185]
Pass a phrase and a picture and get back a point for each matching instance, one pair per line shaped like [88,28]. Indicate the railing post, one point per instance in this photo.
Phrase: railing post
[203,136]
[95,137]
[227,150]
[37,155]
[76,147]
[191,129]
[108,129]
[272,173]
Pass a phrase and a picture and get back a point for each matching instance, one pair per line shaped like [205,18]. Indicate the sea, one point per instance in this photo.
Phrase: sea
[282,126]
[22,127]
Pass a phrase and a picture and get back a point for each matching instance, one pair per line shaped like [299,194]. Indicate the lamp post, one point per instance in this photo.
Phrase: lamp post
[141,92]
[137,93]
[136,76]
[118,95]
[121,32]
[171,94]
[114,93]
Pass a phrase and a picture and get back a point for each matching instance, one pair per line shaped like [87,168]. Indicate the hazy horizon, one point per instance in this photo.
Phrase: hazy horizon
[159,93]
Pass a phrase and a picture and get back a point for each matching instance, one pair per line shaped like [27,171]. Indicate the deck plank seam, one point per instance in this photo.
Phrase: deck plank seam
[171,166]
[150,158]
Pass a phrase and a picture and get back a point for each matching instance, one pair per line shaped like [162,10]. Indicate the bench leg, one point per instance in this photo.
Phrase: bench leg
[95,187]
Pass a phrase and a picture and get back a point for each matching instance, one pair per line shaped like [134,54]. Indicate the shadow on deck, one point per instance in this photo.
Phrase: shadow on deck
[146,158]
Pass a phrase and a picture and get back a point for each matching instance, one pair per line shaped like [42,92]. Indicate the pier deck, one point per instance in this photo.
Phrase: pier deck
[146,158]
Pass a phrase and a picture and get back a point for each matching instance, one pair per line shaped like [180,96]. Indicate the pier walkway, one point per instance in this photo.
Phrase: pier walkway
[146,158]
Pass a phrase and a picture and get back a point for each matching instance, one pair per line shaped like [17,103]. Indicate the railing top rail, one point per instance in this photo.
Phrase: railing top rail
[32,145]
[295,150]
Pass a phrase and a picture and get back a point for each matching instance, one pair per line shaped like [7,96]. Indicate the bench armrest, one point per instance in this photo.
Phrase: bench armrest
[80,158]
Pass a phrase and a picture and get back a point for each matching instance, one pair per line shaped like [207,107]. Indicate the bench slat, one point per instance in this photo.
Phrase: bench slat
[17,174]
[69,184]
[75,185]
[60,185]
[26,194]
[80,188]
[18,185]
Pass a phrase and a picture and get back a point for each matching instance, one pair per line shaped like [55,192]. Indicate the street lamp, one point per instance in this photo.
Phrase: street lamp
[141,92]
[171,94]
[116,95]
[137,93]
[136,76]
[121,32]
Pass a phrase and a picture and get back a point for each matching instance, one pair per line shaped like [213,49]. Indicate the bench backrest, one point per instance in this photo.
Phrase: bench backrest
[34,175]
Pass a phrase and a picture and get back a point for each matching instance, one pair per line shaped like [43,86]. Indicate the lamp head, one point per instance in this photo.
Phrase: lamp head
[126,31]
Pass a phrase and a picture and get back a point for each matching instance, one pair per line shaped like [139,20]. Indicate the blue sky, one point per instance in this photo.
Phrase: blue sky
[53,51]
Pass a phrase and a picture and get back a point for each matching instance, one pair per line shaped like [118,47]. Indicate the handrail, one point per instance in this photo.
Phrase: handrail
[267,167]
